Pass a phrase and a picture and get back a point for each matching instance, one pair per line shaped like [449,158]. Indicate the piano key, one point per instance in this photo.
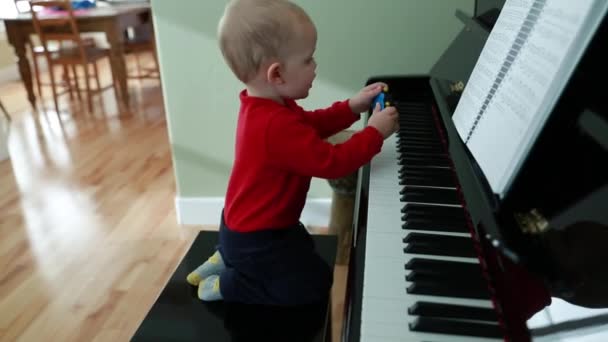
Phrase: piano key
[434,225]
[428,265]
[443,211]
[427,181]
[420,133]
[427,309]
[415,154]
[416,124]
[452,286]
[413,216]
[421,143]
[429,195]
[453,327]
[434,173]
[433,244]
[429,161]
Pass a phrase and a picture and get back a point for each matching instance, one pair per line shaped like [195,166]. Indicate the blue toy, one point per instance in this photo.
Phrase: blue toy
[383,99]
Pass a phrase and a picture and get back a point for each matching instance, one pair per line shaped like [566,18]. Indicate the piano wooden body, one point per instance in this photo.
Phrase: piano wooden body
[435,255]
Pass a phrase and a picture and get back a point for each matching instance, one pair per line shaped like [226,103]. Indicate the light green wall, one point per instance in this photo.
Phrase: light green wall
[357,39]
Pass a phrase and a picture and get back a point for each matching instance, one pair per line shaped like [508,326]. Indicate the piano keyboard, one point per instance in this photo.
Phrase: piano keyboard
[422,280]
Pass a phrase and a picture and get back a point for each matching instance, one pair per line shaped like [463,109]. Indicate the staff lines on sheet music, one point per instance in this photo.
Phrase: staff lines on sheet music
[520,39]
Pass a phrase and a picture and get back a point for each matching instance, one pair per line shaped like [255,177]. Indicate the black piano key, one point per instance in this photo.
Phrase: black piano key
[414,112]
[429,172]
[440,310]
[406,125]
[415,154]
[427,181]
[402,143]
[413,124]
[416,120]
[409,113]
[412,215]
[412,150]
[418,140]
[429,195]
[416,131]
[439,173]
[448,285]
[426,153]
[409,148]
[423,162]
[403,107]
[420,133]
[433,210]
[435,225]
[453,327]
[437,228]
[424,219]
[444,289]
[433,244]
[422,157]
[444,267]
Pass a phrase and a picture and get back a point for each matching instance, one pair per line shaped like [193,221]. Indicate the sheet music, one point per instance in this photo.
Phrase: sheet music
[523,67]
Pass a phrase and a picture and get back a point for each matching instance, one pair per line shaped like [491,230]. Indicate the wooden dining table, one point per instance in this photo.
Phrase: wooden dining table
[111,19]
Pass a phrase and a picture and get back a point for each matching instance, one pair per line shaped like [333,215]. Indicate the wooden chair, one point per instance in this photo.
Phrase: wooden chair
[141,40]
[61,27]
[37,50]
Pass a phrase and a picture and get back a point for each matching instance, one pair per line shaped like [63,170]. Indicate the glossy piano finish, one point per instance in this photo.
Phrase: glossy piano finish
[178,314]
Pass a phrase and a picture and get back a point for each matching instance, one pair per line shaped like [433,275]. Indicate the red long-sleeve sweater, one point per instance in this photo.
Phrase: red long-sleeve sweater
[279,148]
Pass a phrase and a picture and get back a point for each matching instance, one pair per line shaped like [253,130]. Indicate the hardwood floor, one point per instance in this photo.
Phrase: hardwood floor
[88,231]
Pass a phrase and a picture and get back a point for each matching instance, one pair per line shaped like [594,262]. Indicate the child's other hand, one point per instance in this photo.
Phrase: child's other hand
[361,102]
[386,121]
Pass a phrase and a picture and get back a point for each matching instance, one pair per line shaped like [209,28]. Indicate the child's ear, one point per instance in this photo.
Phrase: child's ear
[274,73]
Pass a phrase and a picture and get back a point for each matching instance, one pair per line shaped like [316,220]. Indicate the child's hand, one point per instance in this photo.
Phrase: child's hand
[361,102]
[386,121]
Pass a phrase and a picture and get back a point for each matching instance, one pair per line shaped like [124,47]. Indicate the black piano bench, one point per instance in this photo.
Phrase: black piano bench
[178,314]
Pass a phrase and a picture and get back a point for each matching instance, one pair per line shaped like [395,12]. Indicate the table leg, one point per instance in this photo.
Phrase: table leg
[117,60]
[19,43]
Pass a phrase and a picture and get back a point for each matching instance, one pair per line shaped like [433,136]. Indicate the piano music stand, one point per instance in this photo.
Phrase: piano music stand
[178,314]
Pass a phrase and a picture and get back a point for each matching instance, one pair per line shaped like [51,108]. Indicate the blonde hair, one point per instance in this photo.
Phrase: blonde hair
[254,31]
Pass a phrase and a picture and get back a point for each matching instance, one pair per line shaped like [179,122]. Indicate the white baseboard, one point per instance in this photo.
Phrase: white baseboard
[9,73]
[207,211]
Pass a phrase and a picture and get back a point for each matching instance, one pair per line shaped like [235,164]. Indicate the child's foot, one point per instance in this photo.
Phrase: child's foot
[209,289]
[213,265]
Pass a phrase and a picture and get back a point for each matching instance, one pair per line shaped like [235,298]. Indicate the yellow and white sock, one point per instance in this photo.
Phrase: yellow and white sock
[209,289]
[213,265]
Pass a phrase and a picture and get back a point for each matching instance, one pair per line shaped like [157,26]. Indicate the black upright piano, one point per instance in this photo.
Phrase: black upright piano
[436,255]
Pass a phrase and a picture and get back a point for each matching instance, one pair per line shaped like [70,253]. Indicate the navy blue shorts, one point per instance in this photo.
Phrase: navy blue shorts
[272,267]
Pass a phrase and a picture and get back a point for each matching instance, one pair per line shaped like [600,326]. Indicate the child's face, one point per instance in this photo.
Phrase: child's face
[300,66]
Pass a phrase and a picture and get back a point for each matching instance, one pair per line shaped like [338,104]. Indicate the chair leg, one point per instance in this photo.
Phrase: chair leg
[37,74]
[114,85]
[96,70]
[140,71]
[76,82]
[88,86]
[53,86]
[68,81]
[5,112]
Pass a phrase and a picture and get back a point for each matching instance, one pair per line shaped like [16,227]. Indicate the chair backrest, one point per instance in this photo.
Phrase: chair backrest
[54,21]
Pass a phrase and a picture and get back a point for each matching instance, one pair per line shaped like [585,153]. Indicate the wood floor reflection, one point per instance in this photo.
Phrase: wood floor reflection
[88,231]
